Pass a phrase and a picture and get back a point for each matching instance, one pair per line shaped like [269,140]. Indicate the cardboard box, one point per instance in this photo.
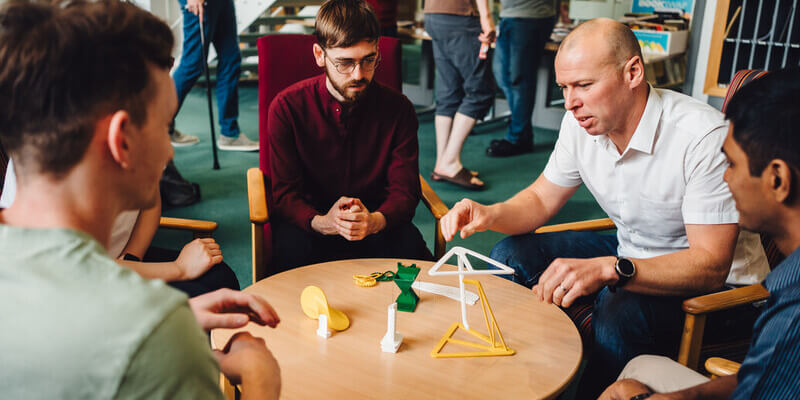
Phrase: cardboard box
[662,43]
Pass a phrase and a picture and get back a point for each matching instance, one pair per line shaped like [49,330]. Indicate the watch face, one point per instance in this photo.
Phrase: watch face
[625,267]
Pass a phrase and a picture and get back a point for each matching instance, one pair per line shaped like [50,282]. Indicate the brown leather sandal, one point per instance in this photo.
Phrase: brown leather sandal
[463,178]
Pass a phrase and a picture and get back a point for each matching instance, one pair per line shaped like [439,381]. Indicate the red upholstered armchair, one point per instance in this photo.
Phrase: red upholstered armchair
[282,61]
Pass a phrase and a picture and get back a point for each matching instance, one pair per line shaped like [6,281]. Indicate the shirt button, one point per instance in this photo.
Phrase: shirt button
[337,110]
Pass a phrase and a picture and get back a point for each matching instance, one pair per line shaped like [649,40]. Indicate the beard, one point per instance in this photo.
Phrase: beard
[341,88]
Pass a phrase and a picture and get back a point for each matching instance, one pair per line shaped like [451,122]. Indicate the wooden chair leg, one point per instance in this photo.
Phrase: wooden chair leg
[693,328]
[228,389]
[439,245]
[257,243]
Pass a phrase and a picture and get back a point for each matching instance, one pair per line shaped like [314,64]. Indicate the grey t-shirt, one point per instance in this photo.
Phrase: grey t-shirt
[75,325]
[527,8]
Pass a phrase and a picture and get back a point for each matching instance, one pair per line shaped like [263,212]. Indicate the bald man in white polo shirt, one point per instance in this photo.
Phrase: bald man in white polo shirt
[652,160]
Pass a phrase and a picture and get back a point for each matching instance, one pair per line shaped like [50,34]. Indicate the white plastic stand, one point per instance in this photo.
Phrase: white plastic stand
[323,330]
[465,268]
[446,291]
[392,340]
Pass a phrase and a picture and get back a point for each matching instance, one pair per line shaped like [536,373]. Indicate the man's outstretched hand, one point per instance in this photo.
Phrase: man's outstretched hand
[226,308]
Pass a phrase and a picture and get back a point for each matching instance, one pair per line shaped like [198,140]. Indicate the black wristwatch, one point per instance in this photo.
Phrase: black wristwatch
[625,271]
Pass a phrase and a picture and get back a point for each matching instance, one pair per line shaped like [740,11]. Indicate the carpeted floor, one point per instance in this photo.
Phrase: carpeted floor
[225,194]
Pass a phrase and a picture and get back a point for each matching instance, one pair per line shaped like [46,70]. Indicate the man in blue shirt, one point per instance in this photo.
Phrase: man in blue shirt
[763,152]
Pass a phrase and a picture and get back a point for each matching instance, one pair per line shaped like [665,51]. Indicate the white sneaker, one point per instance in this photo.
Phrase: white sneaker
[239,143]
[179,139]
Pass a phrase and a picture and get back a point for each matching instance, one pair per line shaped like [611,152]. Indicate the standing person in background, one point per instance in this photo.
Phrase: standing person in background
[462,31]
[218,20]
[525,26]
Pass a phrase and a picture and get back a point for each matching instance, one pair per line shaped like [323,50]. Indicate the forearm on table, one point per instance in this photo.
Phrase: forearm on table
[166,271]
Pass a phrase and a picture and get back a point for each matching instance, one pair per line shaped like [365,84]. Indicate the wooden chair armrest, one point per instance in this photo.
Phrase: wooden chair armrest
[193,225]
[432,200]
[725,299]
[602,224]
[438,209]
[257,196]
[721,367]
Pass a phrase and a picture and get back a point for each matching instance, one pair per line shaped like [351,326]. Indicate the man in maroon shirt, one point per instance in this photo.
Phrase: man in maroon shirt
[345,178]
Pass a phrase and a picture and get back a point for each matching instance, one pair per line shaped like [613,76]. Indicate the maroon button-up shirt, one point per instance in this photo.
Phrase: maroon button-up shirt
[321,150]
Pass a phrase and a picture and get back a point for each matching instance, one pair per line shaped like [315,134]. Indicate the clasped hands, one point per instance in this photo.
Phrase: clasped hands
[350,219]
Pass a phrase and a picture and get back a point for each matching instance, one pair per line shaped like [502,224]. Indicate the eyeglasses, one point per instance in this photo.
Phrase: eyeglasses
[367,64]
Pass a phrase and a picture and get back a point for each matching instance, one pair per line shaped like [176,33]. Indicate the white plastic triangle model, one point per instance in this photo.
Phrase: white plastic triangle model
[462,253]
[465,268]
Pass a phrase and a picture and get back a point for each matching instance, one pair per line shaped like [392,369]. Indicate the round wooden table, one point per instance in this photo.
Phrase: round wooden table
[351,364]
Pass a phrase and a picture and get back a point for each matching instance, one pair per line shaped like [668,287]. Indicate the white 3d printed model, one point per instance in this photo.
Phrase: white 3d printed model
[463,262]
[392,340]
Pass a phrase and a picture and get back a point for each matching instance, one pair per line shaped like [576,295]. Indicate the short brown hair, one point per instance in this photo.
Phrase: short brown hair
[343,23]
[64,64]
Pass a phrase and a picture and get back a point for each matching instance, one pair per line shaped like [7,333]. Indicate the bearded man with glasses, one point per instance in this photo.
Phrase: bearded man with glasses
[343,148]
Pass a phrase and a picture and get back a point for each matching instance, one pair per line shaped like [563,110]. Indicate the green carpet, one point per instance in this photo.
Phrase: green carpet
[225,194]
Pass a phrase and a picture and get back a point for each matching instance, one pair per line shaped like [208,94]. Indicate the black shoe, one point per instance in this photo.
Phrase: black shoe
[504,148]
[175,190]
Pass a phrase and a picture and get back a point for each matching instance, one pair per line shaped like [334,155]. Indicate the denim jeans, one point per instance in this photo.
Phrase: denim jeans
[519,47]
[219,23]
[624,324]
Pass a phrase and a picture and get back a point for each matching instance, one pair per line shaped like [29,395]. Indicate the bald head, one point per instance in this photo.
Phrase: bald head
[614,42]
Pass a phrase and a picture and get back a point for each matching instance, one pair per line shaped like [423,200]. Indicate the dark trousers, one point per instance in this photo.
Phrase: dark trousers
[520,44]
[623,324]
[295,247]
[217,277]
[464,82]
[219,23]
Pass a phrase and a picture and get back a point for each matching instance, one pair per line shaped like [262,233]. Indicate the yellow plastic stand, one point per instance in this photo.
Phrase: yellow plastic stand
[493,346]
[314,304]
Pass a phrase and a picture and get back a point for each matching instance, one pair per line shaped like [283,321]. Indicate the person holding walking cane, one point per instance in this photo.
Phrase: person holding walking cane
[217,19]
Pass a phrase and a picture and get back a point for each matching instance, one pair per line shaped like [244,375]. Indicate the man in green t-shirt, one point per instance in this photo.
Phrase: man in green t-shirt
[85,104]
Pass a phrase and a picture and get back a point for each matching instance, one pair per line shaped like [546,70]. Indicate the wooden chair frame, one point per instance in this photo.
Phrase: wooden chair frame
[199,228]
